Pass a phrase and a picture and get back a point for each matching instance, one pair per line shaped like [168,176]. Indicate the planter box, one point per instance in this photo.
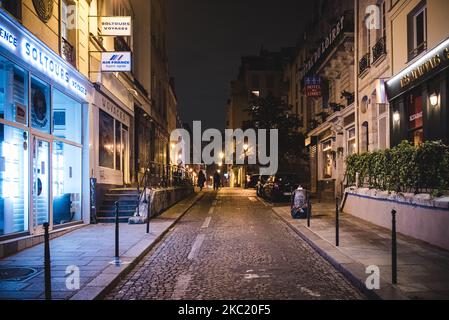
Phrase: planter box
[418,216]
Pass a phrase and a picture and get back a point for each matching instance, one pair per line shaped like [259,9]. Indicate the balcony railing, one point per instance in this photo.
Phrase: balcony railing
[120,44]
[379,49]
[68,52]
[364,64]
[417,51]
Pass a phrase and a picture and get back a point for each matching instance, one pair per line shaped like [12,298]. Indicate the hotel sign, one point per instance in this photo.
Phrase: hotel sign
[23,45]
[430,64]
[115,26]
[338,29]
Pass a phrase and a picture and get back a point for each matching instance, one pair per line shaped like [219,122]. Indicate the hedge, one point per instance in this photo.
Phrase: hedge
[404,168]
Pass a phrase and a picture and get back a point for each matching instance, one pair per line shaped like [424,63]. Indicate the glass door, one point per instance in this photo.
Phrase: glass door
[125,156]
[41,183]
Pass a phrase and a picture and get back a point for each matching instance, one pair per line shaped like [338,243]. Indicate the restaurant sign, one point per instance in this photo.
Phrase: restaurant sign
[433,62]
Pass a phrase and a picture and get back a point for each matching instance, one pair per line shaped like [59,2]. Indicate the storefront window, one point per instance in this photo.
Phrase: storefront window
[66,183]
[352,145]
[106,143]
[13,92]
[415,117]
[66,117]
[328,159]
[14,146]
[118,145]
[40,105]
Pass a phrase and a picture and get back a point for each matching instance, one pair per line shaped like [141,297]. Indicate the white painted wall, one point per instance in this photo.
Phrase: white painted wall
[427,224]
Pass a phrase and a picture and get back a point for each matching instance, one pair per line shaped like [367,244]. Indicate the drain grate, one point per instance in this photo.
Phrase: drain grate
[17,274]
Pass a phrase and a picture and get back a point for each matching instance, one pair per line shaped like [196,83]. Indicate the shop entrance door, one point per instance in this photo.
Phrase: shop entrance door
[41,183]
[125,156]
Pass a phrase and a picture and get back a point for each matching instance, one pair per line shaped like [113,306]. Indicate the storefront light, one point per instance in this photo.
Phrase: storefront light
[434,99]
[396,117]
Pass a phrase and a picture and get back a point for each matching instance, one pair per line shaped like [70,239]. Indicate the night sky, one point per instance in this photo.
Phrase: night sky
[206,39]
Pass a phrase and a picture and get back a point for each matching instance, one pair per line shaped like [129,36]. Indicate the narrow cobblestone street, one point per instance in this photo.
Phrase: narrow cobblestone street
[232,246]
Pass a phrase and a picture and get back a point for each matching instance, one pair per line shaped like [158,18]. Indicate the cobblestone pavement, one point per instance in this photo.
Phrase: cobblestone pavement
[231,246]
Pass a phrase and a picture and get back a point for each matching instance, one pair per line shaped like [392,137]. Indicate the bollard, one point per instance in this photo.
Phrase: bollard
[337,223]
[394,252]
[309,210]
[47,262]
[117,234]
[148,214]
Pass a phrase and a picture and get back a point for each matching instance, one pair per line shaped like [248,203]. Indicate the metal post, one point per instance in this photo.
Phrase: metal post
[47,262]
[309,210]
[394,252]
[117,233]
[337,223]
[148,214]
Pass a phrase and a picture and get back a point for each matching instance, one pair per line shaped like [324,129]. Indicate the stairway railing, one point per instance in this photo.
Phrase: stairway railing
[162,176]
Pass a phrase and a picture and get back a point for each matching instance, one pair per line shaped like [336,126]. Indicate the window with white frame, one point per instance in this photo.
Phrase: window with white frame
[417,30]
[351,141]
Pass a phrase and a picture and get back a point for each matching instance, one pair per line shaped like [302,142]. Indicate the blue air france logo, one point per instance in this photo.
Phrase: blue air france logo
[116,61]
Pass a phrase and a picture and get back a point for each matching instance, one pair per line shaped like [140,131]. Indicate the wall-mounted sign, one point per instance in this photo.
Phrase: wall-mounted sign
[112,109]
[115,26]
[430,64]
[313,87]
[116,61]
[22,44]
[344,24]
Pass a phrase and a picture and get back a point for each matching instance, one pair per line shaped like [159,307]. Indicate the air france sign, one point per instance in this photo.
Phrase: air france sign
[22,45]
[116,61]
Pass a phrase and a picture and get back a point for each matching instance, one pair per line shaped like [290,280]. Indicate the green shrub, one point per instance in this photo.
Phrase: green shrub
[404,168]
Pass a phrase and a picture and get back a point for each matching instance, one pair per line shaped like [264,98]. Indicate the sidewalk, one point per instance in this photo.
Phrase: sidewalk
[91,249]
[423,270]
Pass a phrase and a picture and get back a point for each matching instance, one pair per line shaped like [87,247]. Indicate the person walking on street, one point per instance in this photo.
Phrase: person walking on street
[201,180]
[217,181]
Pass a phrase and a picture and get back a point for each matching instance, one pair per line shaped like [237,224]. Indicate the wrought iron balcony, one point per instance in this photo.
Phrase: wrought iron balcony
[68,52]
[379,49]
[120,44]
[364,64]
[417,51]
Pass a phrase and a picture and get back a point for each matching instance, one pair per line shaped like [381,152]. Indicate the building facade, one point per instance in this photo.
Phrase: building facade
[259,76]
[373,56]
[69,131]
[418,89]
[45,97]
[328,86]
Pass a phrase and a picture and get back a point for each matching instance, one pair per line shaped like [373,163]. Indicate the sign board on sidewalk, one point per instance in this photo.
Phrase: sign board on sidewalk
[116,61]
[116,26]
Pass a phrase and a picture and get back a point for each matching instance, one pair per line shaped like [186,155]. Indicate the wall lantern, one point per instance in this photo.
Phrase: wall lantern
[434,99]
[396,117]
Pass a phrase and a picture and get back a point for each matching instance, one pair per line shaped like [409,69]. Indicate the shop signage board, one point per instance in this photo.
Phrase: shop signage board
[313,87]
[116,26]
[116,61]
[17,40]
[430,64]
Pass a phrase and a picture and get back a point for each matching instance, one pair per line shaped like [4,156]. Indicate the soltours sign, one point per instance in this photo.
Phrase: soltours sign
[116,26]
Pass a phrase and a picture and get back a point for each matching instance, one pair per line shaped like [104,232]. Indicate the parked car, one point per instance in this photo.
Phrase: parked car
[279,187]
[252,181]
[260,185]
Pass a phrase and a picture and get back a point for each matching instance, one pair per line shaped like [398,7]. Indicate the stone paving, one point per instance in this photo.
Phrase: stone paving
[423,270]
[231,246]
[91,249]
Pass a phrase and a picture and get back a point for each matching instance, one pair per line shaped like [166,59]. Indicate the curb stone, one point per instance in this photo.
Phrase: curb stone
[98,288]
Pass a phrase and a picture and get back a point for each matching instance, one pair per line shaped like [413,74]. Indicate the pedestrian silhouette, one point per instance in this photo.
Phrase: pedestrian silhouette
[217,181]
[201,179]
